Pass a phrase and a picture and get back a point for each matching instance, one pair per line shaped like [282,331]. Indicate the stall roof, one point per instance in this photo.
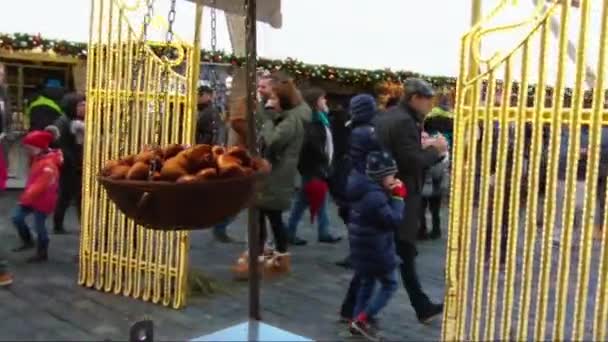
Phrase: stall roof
[268,11]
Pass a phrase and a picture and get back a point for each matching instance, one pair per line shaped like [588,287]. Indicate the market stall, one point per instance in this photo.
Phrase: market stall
[26,71]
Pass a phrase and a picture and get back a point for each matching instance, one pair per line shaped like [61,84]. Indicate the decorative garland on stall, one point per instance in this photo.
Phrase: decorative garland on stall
[36,43]
[346,76]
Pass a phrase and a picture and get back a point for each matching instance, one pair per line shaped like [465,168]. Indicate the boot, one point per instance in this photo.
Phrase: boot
[26,242]
[60,230]
[40,256]
[435,234]
[423,235]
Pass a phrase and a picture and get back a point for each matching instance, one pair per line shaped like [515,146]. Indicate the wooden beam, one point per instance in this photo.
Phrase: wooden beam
[38,57]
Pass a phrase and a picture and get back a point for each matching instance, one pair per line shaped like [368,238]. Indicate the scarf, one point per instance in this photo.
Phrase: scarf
[322,118]
[329,141]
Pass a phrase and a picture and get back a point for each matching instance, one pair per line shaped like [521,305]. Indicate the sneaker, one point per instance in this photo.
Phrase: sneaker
[423,235]
[40,256]
[435,235]
[6,279]
[330,239]
[296,241]
[344,263]
[366,330]
[429,313]
[24,247]
[345,319]
[60,231]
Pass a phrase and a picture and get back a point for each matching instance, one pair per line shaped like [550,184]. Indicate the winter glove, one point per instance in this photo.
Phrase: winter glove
[77,129]
[400,191]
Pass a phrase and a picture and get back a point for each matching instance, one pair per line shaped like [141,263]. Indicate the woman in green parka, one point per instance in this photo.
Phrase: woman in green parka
[281,139]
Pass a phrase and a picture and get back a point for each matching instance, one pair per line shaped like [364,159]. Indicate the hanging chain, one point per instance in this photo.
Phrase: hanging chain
[212,73]
[169,36]
[135,76]
[168,54]
[213,27]
[171,19]
[142,44]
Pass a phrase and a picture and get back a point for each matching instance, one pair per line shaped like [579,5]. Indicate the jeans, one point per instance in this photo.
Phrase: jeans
[275,217]
[350,301]
[39,225]
[407,252]
[297,211]
[370,303]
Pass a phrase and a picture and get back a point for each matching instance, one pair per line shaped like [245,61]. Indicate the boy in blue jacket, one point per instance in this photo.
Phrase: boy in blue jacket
[375,213]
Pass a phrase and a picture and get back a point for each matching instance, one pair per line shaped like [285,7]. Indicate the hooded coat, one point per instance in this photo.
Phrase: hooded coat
[41,188]
[374,217]
[281,138]
[362,140]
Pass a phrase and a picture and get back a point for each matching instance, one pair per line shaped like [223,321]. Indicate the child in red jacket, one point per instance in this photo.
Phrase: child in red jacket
[41,191]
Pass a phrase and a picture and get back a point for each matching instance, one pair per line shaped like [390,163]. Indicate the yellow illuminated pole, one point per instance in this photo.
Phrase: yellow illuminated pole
[475,18]
[453,329]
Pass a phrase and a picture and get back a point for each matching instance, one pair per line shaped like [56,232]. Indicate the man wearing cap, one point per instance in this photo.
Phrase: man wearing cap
[44,108]
[399,131]
[210,128]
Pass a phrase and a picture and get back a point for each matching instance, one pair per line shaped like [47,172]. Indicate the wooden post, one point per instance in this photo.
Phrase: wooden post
[254,228]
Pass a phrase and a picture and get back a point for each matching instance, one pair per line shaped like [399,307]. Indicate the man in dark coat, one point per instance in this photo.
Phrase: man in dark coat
[71,145]
[399,132]
[210,128]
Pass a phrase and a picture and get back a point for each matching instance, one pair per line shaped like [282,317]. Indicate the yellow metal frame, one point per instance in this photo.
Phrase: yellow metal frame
[127,110]
[480,303]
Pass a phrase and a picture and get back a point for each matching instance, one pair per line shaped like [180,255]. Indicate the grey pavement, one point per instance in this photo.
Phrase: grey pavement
[46,303]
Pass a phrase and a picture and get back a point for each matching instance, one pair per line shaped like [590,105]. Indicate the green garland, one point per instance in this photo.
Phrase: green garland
[300,70]
[357,77]
[27,42]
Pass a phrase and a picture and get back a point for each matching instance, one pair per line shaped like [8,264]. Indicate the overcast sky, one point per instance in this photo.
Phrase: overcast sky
[414,35]
[398,34]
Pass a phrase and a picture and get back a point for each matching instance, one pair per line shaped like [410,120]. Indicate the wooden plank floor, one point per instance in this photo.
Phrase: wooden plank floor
[45,302]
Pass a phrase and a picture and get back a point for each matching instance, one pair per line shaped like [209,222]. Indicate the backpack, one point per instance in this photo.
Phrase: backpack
[338,177]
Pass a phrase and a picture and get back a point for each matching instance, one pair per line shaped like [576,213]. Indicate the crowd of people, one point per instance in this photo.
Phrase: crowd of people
[54,144]
[382,167]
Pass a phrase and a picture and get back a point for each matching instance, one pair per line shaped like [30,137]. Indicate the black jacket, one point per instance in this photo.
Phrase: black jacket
[72,152]
[398,130]
[210,128]
[314,161]
[339,132]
